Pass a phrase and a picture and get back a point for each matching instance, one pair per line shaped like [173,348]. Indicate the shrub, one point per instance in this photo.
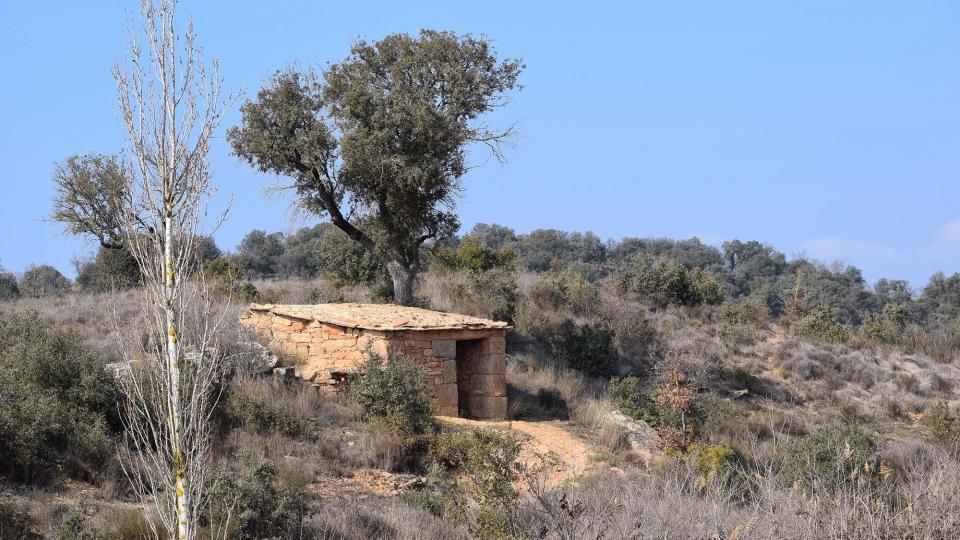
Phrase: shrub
[394,394]
[473,256]
[16,521]
[832,456]
[630,397]
[566,290]
[669,283]
[942,427]
[111,269]
[712,462]
[242,410]
[8,286]
[226,277]
[490,294]
[585,347]
[888,326]
[680,413]
[488,458]
[740,322]
[635,338]
[43,280]
[256,508]
[59,403]
[672,406]
[821,325]
[741,379]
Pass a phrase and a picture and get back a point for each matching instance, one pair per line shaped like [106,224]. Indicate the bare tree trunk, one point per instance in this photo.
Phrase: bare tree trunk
[171,105]
[403,277]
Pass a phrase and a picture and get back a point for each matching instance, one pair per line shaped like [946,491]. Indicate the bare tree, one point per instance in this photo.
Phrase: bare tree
[171,103]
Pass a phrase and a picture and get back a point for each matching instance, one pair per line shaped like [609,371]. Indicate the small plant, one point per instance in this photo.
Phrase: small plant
[822,325]
[394,394]
[585,347]
[251,506]
[942,427]
[488,458]
[712,462]
[888,326]
[833,456]
[242,410]
[629,395]
[740,322]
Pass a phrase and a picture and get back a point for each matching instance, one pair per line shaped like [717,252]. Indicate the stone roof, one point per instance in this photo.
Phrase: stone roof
[386,317]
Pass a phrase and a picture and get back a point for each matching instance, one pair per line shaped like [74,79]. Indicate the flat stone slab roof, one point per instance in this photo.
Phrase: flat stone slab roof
[386,317]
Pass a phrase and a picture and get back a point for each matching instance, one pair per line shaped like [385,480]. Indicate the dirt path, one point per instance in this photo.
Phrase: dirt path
[547,446]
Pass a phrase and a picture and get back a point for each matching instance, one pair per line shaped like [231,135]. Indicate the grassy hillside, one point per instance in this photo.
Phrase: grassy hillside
[783,404]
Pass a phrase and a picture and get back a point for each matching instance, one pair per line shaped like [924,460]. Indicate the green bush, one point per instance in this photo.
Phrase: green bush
[111,269]
[740,322]
[59,403]
[251,413]
[488,458]
[632,399]
[888,326]
[8,286]
[43,280]
[942,427]
[226,278]
[832,456]
[394,395]
[822,325]
[473,256]
[712,462]
[585,347]
[566,290]
[669,283]
[255,506]
[491,294]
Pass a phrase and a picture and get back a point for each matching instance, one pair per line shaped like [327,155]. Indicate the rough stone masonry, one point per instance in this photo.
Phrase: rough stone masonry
[463,357]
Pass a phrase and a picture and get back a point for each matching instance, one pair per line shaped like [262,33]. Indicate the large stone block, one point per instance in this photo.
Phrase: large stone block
[488,385]
[446,395]
[449,368]
[494,344]
[490,363]
[444,348]
[487,408]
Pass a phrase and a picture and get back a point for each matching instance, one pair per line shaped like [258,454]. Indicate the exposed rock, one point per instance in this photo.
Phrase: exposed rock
[641,437]
[255,358]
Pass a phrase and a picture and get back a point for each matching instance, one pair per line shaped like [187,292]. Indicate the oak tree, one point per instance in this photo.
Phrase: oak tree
[378,142]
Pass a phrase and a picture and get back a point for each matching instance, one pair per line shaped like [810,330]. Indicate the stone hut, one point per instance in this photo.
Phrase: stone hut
[462,356]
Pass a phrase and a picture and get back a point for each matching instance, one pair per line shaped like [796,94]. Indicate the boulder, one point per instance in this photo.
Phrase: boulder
[641,437]
[254,358]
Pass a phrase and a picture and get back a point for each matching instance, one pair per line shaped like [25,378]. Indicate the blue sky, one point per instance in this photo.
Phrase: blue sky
[828,128]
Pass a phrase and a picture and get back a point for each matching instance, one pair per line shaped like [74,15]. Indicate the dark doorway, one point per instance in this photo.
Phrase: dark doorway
[467,351]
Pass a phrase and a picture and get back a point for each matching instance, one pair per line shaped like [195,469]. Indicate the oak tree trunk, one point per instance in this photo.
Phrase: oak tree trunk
[403,276]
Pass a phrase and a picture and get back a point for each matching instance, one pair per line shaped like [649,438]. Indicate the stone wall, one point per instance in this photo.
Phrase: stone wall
[465,368]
